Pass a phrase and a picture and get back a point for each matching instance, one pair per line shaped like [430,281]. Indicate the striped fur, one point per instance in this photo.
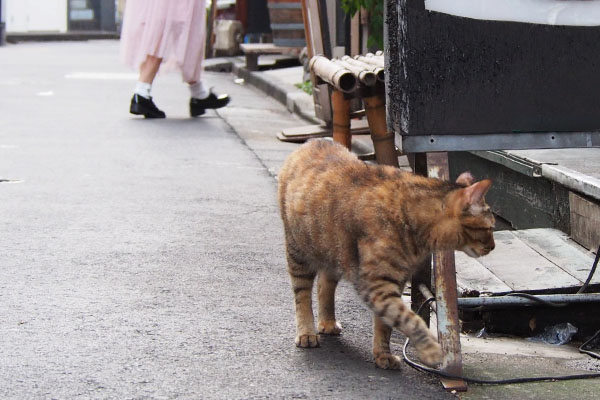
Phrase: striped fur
[372,225]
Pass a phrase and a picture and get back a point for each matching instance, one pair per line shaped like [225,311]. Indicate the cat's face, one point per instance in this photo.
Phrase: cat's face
[475,217]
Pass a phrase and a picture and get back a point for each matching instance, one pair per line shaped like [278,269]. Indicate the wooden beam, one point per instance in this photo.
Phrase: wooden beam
[210,31]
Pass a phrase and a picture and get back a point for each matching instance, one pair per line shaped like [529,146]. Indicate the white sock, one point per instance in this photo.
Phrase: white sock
[143,89]
[198,91]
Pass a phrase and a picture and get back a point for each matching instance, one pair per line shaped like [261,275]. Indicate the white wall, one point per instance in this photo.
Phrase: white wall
[549,12]
[36,16]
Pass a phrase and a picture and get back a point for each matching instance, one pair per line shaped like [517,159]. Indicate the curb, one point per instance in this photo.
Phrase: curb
[295,100]
[57,37]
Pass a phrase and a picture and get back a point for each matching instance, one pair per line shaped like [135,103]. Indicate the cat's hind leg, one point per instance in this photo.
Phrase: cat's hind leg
[381,346]
[326,285]
[302,284]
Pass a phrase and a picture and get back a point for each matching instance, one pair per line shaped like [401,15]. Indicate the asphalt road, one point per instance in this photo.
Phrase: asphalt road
[144,259]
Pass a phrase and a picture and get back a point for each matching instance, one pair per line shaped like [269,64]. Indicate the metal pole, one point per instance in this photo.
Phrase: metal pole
[422,276]
[446,293]
[513,300]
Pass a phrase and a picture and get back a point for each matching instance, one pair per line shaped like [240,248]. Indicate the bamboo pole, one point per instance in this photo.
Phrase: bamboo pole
[341,119]
[336,75]
[365,76]
[383,141]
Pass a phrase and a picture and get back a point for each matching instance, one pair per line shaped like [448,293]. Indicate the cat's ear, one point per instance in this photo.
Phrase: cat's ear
[465,179]
[475,193]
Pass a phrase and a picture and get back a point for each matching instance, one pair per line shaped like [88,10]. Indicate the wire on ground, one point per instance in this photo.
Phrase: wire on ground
[443,374]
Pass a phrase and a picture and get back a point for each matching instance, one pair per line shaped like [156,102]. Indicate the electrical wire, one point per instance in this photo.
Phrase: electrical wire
[517,294]
[535,298]
[433,371]
[588,352]
[582,348]
[591,274]
[582,289]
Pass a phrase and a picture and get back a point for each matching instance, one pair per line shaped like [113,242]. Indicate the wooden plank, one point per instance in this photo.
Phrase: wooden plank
[317,43]
[472,276]
[585,221]
[303,133]
[210,34]
[268,48]
[556,246]
[522,268]
[355,35]
[253,50]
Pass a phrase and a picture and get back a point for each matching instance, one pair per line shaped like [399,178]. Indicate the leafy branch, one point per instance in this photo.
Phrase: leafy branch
[375,9]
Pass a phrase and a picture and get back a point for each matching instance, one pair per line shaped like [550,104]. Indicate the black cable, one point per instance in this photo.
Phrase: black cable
[518,294]
[591,274]
[424,368]
[588,352]
[535,298]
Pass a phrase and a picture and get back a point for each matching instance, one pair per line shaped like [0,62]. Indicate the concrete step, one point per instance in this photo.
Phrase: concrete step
[557,189]
[533,261]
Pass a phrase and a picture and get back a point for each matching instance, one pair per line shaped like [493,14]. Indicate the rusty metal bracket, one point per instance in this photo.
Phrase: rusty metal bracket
[446,297]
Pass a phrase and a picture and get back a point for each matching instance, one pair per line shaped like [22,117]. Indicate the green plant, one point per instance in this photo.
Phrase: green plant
[375,9]
[305,86]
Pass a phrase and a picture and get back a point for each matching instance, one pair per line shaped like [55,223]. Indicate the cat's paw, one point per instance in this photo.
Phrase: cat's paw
[387,361]
[307,341]
[330,327]
[431,354]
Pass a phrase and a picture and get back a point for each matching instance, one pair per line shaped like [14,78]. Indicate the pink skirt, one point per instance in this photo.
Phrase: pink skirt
[174,30]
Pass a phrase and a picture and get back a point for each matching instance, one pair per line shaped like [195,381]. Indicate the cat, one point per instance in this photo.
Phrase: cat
[372,225]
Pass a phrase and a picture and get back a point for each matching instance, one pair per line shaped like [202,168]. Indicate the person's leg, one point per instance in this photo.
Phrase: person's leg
[148,71]
[198,90]
[203,98]
[149,68]
[141,103]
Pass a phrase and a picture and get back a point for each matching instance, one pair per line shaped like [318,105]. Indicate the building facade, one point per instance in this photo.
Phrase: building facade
[61,16]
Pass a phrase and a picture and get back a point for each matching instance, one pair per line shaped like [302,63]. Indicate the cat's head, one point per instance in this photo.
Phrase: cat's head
[476,232]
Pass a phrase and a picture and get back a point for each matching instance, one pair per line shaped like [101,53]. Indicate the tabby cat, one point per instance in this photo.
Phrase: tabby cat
[372,225]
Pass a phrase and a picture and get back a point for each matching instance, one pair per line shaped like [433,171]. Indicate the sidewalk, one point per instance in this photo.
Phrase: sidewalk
[492,358]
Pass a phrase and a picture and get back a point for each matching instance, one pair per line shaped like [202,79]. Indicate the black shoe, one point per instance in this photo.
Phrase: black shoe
[198,106]
[146,107]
